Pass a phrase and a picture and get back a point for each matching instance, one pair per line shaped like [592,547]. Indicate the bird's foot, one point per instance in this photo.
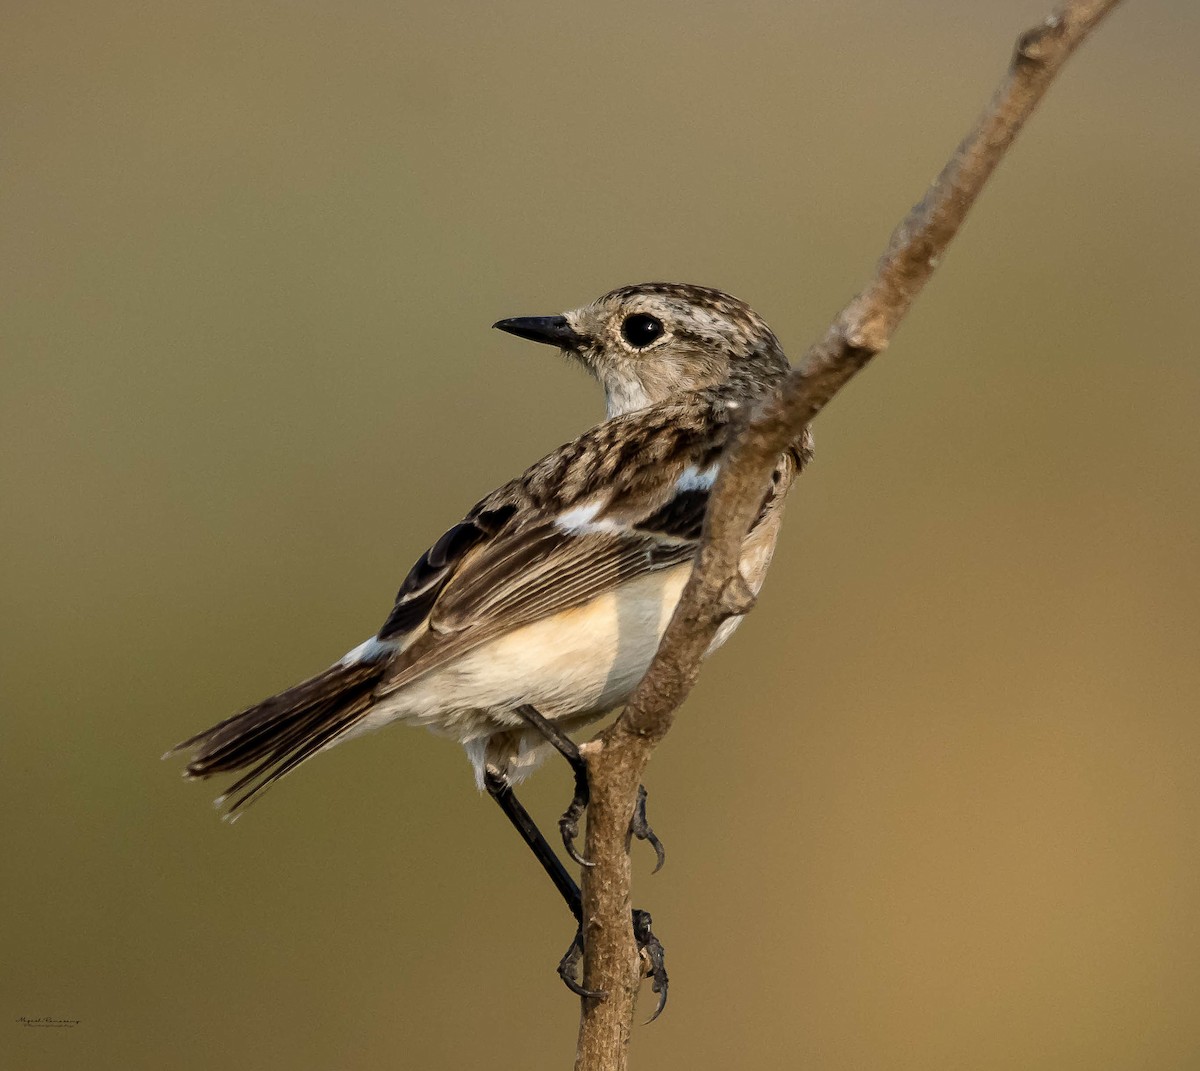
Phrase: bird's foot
[568,824]
[640,828]
[650,950]
[654,959]
[569,969]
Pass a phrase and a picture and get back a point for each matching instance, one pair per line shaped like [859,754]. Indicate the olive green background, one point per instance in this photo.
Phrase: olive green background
[935,807]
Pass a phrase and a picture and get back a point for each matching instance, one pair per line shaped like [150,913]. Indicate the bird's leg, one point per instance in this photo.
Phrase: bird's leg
[649,946]
[568,824]
[501,791]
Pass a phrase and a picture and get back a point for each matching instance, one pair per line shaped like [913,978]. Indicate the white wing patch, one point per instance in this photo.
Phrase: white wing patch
[368,651]
[694,479]
[581,520]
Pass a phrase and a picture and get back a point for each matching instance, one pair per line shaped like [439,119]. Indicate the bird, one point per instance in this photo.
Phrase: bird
[540,611]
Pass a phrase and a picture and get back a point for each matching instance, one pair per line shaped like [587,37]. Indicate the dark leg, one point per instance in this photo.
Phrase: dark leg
[648,945]
[501,791]
[568,824]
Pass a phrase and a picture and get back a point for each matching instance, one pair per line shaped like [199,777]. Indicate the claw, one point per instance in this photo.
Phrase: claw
[654,958]
[568,965]
[654,963]
[640,828]
[568,824]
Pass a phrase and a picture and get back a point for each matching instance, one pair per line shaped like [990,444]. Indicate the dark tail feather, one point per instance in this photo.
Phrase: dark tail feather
[276,735]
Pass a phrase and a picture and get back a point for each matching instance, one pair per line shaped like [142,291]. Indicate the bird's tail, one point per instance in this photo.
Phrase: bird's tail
[275,736]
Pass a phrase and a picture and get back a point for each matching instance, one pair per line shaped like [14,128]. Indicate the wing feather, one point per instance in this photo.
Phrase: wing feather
[564,533]
[531,572]
[434,568]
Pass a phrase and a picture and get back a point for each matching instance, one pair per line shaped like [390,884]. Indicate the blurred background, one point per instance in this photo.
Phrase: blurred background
[936,805]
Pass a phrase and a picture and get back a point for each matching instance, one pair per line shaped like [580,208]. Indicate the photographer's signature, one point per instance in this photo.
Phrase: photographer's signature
[48,1022]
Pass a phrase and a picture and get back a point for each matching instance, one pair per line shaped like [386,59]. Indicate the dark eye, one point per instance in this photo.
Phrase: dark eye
[640,330]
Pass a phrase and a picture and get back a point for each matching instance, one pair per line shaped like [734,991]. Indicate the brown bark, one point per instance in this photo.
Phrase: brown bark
[862,329]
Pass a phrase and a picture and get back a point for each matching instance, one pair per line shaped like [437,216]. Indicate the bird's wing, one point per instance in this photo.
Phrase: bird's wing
[556,538]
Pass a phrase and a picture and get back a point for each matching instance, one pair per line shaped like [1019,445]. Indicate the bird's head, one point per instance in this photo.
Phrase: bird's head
[650,342]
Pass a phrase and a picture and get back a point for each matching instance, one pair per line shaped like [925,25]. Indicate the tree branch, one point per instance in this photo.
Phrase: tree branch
[715,591]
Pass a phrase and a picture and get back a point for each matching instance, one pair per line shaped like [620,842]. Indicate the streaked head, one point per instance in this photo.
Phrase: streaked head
[650,342]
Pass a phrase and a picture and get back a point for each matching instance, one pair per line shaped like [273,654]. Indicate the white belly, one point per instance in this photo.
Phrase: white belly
[581,662]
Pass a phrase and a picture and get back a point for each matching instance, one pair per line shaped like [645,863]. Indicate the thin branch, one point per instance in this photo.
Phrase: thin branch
[715,591]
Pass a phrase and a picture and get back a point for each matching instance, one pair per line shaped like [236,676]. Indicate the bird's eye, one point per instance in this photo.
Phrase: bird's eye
[639,330]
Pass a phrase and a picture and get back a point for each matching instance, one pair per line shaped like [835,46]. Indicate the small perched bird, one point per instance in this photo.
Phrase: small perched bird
[541,610]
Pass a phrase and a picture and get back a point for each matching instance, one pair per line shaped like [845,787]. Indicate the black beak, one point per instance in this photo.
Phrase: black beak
[553,330]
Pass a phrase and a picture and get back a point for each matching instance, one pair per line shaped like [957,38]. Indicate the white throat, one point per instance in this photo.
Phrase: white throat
[625,396]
